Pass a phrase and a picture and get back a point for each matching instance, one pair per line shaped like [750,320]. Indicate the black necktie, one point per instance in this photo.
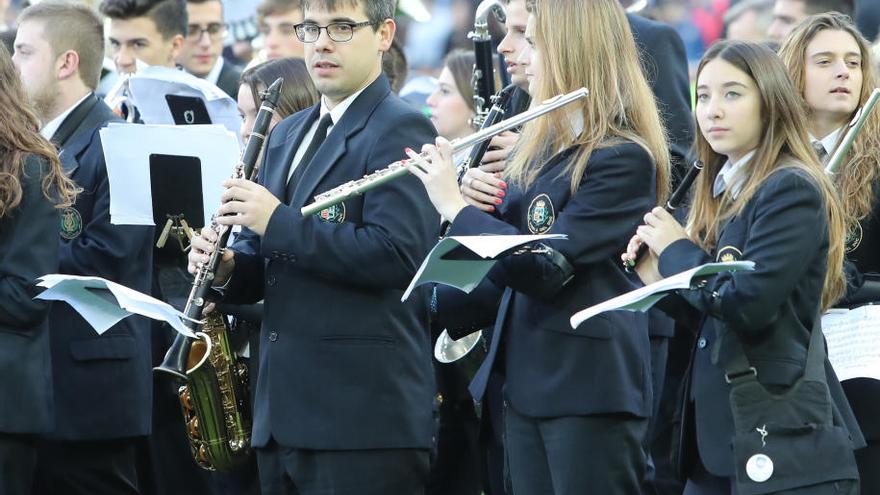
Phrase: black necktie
[317,139]
[821,153]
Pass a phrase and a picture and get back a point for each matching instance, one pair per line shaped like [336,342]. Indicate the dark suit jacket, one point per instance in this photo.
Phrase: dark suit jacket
[103,384]
[343,363]
[552,370]
[230,75]
[666,68]
[783,229]
[28,249]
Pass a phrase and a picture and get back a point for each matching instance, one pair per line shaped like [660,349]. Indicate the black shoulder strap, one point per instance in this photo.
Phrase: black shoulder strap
[737,368]
[71,123]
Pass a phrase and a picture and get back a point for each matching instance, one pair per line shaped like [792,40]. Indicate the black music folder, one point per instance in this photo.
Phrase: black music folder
[187,110]
[176,190]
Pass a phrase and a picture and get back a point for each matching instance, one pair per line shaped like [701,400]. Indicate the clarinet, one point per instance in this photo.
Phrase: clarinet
[674,202]
[484,70]
[500,103]
[178,354]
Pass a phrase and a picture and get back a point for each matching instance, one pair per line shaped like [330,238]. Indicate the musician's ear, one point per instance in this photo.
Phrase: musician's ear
[386,32]
[176,46]
[67,65]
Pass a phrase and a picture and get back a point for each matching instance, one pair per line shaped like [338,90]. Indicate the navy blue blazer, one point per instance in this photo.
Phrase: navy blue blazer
[784,230]
[343,363]
[551,370]
[103,384]
[28,249]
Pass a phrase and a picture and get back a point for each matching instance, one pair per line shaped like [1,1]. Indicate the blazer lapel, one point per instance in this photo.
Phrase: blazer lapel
[333,148]
[74,145]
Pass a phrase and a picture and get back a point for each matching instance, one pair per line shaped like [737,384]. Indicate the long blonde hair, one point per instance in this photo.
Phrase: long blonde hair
[589,44]
[784,144]
[855,179]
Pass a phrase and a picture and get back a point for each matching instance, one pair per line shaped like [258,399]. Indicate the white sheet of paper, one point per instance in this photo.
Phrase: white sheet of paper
[467,274]
[643,298]
[853,338]
[149,86]
[127,150]
[102,311]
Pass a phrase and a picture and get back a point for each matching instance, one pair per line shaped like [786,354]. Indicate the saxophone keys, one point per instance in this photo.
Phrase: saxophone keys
[185,398]
[192,426]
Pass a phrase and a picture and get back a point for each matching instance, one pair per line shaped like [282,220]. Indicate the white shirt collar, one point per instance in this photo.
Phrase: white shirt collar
[730,174]
[214,75]
[829,142]
[49,129]
[339,110]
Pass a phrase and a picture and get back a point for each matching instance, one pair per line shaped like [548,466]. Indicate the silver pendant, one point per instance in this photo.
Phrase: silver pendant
[759,468]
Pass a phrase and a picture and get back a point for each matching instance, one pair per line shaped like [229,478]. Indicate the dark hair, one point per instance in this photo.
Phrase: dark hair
[845,7]
[20,137]
[461,65]
[168,15]
[377,10]
[394,66]
[83,33]
[298,92]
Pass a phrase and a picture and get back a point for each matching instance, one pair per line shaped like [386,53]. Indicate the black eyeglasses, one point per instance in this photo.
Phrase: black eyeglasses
[308,32]
[215,30]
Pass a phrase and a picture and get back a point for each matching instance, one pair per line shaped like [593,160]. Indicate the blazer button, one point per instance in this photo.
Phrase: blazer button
[271,280]
[273,336]
[701,343]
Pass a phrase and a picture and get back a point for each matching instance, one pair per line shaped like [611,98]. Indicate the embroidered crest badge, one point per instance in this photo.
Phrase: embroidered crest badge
[728,253]
[854,238]
[333,214]
[541,214]
[71,223]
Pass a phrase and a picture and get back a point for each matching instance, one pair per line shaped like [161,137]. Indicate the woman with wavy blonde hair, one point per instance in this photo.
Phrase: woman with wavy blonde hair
[32,189]
[763,197]
[832,66]
[576,401]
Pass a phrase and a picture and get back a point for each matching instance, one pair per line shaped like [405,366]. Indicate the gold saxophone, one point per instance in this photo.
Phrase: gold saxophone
[214,397]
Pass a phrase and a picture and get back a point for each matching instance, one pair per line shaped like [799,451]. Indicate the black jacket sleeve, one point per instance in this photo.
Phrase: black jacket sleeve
[28,250]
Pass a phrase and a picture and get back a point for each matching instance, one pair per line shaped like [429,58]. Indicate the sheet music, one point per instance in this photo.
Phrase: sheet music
[149,86]
[853,338]
[103,303]
[127,150]
[643,298]
[466,274]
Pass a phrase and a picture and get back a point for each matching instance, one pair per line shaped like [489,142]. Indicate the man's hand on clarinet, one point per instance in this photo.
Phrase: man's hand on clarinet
[201,248]
[247,204]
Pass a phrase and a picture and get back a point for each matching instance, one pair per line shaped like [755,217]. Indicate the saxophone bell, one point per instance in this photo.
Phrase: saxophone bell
[448,350]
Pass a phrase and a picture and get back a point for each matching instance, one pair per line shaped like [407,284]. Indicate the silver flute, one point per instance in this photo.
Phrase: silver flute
[398,168]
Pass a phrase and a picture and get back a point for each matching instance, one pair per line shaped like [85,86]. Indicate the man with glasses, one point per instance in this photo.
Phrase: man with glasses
[344,395]
[201,54]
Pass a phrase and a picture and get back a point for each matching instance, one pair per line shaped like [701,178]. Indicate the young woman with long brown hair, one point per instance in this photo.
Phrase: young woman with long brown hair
[576,402]
[33,188]
[762,197]
[832,66]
